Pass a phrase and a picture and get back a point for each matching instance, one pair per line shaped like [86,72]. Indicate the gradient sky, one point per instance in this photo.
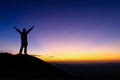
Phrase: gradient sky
[65,30]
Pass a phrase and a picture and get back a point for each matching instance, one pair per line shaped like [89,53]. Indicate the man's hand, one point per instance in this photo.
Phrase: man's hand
[33,26]
[14,27]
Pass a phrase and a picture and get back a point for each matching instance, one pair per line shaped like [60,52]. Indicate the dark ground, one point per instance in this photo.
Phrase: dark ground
[29,68]
[94,71]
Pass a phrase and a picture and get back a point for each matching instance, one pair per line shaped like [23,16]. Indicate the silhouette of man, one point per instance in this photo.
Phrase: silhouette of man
[24,41]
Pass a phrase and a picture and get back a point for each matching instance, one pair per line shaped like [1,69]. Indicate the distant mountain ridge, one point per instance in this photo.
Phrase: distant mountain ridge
[26,66]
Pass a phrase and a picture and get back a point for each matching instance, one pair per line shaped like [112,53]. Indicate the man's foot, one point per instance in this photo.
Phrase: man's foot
[26,54]
[20,53]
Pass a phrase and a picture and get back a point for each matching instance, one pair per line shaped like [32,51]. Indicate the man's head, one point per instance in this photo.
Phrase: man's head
[24,29]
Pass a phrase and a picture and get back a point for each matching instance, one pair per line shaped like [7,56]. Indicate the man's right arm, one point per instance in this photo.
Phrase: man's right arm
[17,29]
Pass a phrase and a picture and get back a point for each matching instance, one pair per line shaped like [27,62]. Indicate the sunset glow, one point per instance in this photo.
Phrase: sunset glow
[82,57]
[65,30]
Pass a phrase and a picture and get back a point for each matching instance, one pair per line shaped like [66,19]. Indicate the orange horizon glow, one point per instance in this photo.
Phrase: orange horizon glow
[72,59]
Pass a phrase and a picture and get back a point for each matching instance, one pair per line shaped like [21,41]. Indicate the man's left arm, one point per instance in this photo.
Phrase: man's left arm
[30,29]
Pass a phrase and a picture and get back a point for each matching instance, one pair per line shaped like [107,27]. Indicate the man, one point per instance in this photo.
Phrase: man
[24,41]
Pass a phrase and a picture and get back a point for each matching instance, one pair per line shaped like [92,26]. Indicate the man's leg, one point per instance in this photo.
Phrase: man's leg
[25,50]
[20,52]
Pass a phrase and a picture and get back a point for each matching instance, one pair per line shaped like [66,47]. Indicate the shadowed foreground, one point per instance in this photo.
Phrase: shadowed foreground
[26,66]
[93,71]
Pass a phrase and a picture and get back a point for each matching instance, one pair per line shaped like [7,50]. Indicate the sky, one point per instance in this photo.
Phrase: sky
[65,30]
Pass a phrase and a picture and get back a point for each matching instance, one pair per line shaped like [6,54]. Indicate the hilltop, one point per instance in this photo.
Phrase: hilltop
[26,66]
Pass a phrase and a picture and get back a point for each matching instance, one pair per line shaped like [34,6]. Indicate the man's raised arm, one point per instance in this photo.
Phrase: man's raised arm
[17,29]
[30,29]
